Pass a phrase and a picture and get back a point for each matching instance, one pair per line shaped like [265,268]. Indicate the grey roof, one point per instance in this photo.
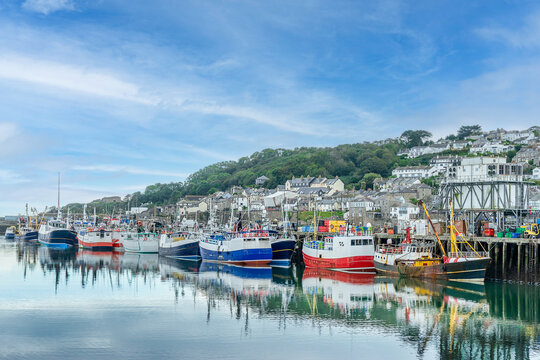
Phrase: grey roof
[310,190]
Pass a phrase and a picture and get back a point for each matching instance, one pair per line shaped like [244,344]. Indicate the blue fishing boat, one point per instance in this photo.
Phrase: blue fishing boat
[56,234]
[250,248]
[283,246]
[180,245]
[282,250]
[10,233]
[27,235]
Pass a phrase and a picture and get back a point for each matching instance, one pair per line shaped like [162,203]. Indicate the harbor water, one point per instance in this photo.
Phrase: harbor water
[105,305]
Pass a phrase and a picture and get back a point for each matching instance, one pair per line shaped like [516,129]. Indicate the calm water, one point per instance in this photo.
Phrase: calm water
[103,305]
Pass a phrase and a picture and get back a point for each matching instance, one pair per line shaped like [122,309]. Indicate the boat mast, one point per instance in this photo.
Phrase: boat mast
[284,216]
[59,214]
[432,226]
[85,218]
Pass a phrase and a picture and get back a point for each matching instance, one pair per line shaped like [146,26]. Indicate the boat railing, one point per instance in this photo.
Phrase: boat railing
[468,254]
[389,249]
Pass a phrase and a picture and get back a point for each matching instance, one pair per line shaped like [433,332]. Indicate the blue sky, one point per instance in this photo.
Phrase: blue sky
[117,95]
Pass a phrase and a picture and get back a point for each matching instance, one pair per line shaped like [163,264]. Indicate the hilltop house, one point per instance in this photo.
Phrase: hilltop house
[430,149]
[483,147]
[333,185]
[414,171]
[441,163]
[261,180]
[296,183]
[527,153]
[460,145]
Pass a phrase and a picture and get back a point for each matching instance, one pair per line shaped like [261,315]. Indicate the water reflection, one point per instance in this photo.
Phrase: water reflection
[454,321]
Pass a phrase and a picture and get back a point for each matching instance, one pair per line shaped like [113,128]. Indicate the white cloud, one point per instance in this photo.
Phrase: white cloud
[128,169]
[7,131]
[48,6]
[70,77]
[526,36]
[10,177]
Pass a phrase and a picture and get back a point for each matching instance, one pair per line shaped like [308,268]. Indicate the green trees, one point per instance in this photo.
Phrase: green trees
[466,131]
[413,138]
[353,163]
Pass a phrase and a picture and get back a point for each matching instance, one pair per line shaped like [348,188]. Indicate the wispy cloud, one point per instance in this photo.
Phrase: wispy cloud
[7,131]
[129,169]
[48,6]
[10,177]
[526,36]
[70,77]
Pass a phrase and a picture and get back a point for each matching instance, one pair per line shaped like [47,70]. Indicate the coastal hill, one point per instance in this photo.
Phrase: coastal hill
[357,165]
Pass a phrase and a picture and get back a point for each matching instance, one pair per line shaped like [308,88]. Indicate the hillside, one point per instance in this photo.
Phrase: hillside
[356,164]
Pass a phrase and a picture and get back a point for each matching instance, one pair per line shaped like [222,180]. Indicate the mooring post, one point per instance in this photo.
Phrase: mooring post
[519,261]
[504,258]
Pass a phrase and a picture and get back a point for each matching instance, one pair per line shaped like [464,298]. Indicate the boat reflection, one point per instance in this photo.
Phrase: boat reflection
[449,321]
[339,290]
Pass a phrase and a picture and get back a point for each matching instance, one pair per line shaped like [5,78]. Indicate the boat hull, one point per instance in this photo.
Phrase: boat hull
[473,270]
[142,244]
[184,249]
[9,237]
[61,239]
[250,257]
[282,251]
[30,236]
[96,246]
[353,263]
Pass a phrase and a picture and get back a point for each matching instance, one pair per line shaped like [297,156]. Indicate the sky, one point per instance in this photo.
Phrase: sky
[117,95]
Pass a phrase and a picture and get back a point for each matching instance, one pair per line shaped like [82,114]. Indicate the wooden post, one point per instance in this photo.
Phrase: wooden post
[504,258]
[519,260]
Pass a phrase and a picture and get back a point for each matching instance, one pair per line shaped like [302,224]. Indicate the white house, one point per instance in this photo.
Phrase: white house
[276,199]
[404,211]
[414,171]
[441,163]
[430,149]
[489,147]
[361,202]
[510,135]
[460,145]
[536,173]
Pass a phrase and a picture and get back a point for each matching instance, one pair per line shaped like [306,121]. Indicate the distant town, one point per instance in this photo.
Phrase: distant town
[511,158]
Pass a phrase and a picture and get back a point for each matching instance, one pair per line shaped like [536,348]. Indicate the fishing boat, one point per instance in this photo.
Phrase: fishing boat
[10,233]
[249,247]
[28,228]
[27,235]
[97,240]
[57,234]
[141,242]
[283,246]
[340,252]
[180,245]
[118,237]
[410,259]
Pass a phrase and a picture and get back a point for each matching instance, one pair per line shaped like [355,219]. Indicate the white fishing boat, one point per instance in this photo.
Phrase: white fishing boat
[141,242]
